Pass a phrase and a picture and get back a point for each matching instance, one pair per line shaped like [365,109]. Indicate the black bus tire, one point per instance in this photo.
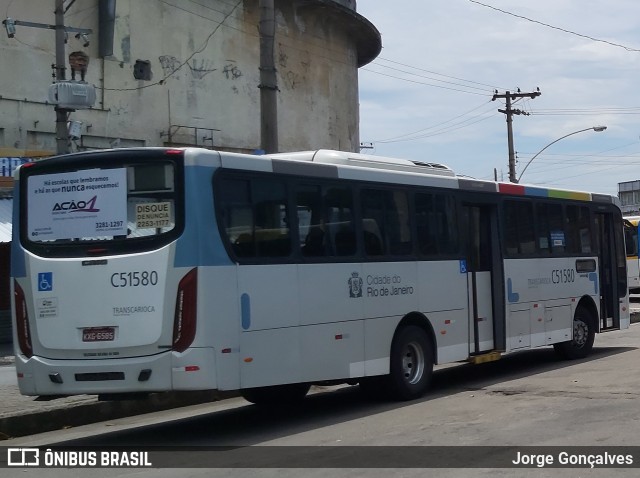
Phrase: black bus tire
[411,364]
[583,334]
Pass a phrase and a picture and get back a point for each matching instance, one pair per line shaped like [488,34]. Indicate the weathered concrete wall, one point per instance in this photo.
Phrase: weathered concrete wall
[203,90]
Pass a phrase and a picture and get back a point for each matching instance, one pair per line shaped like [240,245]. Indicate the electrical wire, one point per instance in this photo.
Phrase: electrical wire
[430,78]
[493,87]
[556,28]
[393,138]
[445,129]
[451,128]
[585,112]
[210,8]
[596,159]
[6,13]
[423,83]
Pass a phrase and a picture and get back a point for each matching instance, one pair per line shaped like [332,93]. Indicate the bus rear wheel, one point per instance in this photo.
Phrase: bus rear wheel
[584,332]
[277,395]
[411,364]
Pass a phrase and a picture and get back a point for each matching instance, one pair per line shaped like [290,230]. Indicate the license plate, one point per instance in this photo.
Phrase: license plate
[98,334]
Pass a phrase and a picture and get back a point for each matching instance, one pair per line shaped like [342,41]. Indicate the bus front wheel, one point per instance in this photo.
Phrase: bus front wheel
[411,364]
[584,332]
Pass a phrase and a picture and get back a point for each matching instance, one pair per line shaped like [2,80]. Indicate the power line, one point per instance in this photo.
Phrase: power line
[429,77]
[393,138]
[210,8]
[493,87]
[584,113]
[423,83]
[556,28]
[194,13]
[452,128]
[448,129]
[591,160]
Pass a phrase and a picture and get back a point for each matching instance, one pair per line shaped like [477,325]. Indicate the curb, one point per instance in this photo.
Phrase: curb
[85,414]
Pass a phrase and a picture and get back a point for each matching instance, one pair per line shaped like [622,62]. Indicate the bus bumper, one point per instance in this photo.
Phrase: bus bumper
[192,370]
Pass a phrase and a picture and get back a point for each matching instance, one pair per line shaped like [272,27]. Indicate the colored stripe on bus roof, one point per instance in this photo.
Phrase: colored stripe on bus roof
[519,190]
[554,193]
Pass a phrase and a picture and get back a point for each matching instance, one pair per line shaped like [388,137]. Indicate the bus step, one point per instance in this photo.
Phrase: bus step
[488,357]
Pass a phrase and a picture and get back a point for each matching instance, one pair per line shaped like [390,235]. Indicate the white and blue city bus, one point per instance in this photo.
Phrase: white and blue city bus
[155,269]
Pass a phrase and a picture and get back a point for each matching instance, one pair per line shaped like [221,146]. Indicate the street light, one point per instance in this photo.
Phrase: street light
[594,128]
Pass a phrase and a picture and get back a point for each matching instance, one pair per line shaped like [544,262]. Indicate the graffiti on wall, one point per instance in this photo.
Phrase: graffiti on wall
[169,64]
[199,68]
[231,70]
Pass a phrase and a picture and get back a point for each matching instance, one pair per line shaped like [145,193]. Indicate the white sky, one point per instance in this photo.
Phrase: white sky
[455,53]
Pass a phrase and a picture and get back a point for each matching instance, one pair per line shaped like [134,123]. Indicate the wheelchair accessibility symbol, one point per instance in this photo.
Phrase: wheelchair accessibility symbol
[45,281]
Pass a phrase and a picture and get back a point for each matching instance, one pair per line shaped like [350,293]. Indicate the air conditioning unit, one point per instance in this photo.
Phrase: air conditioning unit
[72,95]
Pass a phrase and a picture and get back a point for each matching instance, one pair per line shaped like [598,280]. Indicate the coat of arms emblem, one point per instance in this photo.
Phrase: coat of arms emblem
[355,285]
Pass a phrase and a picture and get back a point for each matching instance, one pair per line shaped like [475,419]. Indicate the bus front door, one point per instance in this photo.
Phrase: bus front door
[484,273]
[611,285]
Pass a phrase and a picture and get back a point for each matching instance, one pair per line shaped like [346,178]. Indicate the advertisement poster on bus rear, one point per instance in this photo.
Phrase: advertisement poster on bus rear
[90,203]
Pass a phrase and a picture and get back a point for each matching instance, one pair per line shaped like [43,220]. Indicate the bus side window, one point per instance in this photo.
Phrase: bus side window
[338,203]
[311,227]
[372,238]
[519,235]
[550,230]
[398,224]
[237,214]
[269,199]
[445,212]
[631,239]
[436,224]
[427,237]
[578,230]
[373,225]
[243,245]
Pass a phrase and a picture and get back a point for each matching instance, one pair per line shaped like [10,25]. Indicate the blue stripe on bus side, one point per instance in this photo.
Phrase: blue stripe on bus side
[200,243]
[18,265]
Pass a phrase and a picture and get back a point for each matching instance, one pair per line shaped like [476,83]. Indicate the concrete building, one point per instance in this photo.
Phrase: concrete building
[629,195]
[181,73]
[187,73]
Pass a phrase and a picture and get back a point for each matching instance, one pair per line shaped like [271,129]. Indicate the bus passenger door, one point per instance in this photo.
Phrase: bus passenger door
[610,283]
[484,272]
[631,243]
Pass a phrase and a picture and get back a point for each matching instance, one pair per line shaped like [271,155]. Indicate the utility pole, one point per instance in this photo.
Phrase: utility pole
[62,134]
[66,95]
[509,112]
[268,79]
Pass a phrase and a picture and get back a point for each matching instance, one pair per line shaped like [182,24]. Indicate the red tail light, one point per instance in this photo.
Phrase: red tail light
[22,321]
[184,322]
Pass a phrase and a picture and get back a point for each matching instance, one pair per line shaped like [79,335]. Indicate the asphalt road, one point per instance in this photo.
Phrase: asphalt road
[525,399]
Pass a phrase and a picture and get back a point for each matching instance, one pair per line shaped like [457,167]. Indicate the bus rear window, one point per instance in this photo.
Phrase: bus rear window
[108,205]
